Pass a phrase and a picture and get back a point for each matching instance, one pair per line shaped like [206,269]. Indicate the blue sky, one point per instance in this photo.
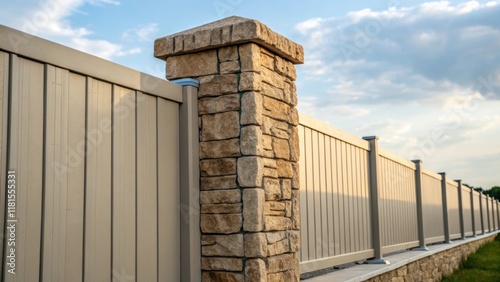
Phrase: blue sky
[423,76]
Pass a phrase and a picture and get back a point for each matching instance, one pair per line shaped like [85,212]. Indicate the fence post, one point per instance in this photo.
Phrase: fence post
[498,214]
[420,211]
[374,202]
[472,212]
[247,89]
[445,208]
[461,209]
[190,188]
[488,213]
[481,211]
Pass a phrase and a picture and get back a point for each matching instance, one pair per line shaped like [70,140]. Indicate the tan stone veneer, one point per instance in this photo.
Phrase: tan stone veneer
[248,146]
[433,268]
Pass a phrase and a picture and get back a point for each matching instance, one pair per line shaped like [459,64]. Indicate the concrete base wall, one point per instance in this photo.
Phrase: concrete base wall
[431,265]
[434,267]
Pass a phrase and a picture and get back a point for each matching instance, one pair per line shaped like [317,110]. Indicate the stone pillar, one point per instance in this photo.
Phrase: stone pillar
[249,147]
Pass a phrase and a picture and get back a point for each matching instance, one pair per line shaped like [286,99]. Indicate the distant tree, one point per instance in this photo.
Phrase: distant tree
[494,192]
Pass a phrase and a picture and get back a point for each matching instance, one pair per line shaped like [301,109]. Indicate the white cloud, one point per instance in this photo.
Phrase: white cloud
[143,33]
[425,79]
[52,19]
[102,48]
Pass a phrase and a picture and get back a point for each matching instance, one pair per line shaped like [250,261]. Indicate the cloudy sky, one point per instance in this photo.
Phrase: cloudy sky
[423,76]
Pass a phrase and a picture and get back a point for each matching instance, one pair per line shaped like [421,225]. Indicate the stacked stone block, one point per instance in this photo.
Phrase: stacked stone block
[249,147]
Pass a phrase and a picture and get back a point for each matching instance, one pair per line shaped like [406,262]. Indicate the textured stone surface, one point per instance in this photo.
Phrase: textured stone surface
[219,104]
[250,57]
[255,245]
[219,182]
[255,270]
[434,267]
[281,148]
[251,141]
[250,171]
[216,85]
[229,53]
[272,189]
[278,248]
[221,223]
[278,223]
[296,176]
[229,264]
[220,149]
[286,189]
[192,65]
[221,208]
[280,263]
[222,276]
[253,209]
[251,108]
[250,81]
[220,196]
[222,245]
[218,167]
[220,126]
[274,208]
[248,146]
[229,67]
[242,31]
[285,169]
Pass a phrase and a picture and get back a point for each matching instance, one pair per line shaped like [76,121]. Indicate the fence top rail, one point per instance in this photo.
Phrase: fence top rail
[38,49]
[324,128]
[398,159]
[451,182]
[431,173]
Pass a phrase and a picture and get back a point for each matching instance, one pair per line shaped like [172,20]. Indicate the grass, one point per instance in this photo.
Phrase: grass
[484,265]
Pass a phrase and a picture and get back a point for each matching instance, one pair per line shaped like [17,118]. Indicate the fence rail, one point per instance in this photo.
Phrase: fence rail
[359,201]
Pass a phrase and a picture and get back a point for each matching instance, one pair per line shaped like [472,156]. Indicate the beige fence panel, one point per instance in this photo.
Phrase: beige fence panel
[478,222]
[467,211]
[486,213]
[453,209]
[4,107]
[398,204]
[432,207]
[26,159]
[96,152]
[335,220]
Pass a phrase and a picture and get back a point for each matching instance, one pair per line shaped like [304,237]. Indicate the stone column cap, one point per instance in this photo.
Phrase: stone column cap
[226,32]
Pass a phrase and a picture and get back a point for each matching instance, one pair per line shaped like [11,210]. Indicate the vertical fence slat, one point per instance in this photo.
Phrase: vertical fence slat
[26,158]
[311,235]
[341,193]
[304,250]
[336,195]
[168,198]
[64,176]
[329,195]
[323,196]
[98,184]
[4,120]
[146,188]
[124,183]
